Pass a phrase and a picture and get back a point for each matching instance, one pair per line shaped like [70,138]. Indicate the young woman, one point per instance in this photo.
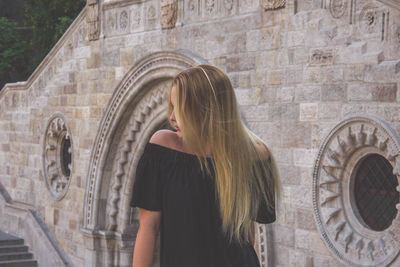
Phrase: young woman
[204,184]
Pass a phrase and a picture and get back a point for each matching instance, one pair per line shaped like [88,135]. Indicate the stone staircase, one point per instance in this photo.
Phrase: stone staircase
[13,252]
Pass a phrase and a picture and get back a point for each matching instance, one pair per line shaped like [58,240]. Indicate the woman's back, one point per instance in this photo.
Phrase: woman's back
[172,182]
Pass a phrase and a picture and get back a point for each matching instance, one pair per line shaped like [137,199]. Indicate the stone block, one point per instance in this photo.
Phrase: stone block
[235,43]
[302,196]
[275,77]
[240,63]
[282,254]
[307,93]
[294,135]
[329,111]
[111,58]
[305,220]
[284,112]
[285,94]
[334,92]
[388,71]
[300,259]
[248,6]
[267,60]
[256,113]
[326,261]
[258,77]
[318,245]
[244,79]
[289,174]
[304,157]
[82,52]
[283,235]
[295,38]
[293,76]
[265,130]
[372,92]
[303,239]
[308,111]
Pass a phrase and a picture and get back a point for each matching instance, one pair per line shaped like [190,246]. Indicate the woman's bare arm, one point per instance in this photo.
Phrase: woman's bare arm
[149,224]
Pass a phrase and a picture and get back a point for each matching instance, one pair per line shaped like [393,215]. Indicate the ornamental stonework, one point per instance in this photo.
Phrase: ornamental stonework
[337,8]
[369,19]
[341,227]
[169,13]
[93,20]
[273,4]
[57,156]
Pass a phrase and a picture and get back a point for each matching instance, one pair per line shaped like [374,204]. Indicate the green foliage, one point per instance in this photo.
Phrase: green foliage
[49,19]
[45,21]
[13,52]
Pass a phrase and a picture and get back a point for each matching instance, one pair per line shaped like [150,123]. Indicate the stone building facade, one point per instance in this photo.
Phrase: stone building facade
[317,80]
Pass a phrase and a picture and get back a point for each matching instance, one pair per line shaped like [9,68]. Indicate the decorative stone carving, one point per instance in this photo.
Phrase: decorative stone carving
[228,4]
[169,13]
[123,20]
[321,57]
[337,217]
[136,18]
[57,156]
[192,5]
[368,20]
[151,13]
[159,65]
[210,5]
[141,117]
[337,8]
[273,4]
[93,20]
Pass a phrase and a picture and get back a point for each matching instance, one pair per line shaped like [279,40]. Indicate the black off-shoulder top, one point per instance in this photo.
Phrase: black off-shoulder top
[172,182]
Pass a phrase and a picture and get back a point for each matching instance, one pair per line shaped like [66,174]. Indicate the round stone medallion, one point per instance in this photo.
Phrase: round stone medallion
[357,142]
[57,156]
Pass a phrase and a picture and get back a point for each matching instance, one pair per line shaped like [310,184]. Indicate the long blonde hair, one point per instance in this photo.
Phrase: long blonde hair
[208,116]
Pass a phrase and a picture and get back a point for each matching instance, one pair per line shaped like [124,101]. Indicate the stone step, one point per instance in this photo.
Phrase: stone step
[15,256]
[19,263]
[11,242]
[13,248]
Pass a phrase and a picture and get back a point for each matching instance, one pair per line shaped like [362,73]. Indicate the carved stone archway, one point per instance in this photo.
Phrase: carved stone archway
[136,109]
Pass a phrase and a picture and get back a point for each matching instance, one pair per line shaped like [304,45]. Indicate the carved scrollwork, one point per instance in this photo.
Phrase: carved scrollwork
[57,156]
[273,4]
[336,214]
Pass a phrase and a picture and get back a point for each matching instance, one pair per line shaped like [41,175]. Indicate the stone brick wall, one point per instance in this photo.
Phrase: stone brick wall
[297,70]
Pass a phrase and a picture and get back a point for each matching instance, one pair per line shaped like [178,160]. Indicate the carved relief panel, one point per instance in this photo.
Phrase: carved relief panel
[135,17]
[169,13]
[57,156]
[93,20]
[273,4]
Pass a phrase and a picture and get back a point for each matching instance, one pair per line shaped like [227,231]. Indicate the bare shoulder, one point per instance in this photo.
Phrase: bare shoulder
[263,150]
[165,138]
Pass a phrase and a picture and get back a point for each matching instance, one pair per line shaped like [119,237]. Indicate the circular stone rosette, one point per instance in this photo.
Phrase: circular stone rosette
[57,156]
[341,227]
